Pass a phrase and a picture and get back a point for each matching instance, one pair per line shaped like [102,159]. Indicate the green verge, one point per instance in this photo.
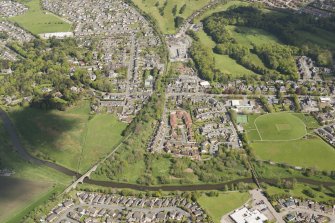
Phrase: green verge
[224,203]
[37,21]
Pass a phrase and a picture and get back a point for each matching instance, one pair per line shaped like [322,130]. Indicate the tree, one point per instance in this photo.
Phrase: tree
[178,21]
[182,9]
[174,10]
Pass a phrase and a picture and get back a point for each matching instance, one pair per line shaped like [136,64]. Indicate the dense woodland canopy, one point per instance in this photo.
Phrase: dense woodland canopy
[279,59]
[48,64]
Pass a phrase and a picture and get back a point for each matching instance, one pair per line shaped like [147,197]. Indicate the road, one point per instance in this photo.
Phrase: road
[130,70]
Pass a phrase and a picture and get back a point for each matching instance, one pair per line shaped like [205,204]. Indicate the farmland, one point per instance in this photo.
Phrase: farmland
[38,21]
[68,138]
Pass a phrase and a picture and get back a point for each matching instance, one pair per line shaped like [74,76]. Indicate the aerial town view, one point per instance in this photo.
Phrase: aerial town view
[205,111]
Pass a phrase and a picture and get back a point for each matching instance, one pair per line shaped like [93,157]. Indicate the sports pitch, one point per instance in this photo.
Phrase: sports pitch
[280,137]
[279,127]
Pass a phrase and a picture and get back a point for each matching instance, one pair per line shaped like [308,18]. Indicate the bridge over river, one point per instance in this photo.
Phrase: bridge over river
[84,178]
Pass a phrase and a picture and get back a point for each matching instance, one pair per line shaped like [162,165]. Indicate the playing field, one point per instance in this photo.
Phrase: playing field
[279,137]
[304,153]
[38,21]
[280,126]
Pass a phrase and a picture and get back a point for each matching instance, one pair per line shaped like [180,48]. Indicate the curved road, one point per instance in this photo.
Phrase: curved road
[17,146]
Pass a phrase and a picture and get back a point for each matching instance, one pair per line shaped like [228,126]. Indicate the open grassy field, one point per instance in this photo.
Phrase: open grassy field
[38,21]
[218,206]
[16,194]
[298,191]
[220,8]
[103,133]
[251,36]
[279,137]
[68,138]
[19,195]
[280,126]
[166,21]
[305,153]
[223,62]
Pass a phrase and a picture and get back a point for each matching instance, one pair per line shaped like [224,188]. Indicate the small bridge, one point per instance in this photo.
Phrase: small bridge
[81,179]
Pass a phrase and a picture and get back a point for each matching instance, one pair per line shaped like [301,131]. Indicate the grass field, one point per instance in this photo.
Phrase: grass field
[19,195]
[305,153]
[223,62]
[251,36]
[220,8]
[166,21]
[68,138]
[320,196]
[218,206]
[38,21]
[278,137]
[16,194]
[280,126]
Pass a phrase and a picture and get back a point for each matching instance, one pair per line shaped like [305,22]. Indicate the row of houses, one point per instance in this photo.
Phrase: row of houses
[10,8]
[96,207]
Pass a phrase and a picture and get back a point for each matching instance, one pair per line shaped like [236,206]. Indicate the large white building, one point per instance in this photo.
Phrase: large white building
[244,215]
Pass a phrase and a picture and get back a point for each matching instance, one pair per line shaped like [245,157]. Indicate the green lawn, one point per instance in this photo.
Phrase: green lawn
[38,21]
[216,207]
[70,138]
[166,22]
[305,153]
[280,126]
